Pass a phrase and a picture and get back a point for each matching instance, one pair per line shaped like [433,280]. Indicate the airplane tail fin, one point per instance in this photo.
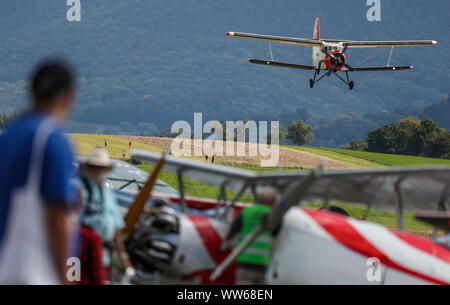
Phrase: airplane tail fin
[316,34]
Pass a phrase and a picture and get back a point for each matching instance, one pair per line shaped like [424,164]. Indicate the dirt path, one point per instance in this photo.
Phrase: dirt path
[287,157]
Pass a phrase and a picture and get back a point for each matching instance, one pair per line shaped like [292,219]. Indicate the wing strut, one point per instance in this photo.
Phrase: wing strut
[270,49]
[222,196]
[234,200]
[398,191]
[390,56]
[181,190]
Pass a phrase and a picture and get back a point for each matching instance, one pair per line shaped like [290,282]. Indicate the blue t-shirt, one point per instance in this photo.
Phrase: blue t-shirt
[15,154]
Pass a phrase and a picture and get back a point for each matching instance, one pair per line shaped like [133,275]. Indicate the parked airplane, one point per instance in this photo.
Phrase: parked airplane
[310,246]
[329,54]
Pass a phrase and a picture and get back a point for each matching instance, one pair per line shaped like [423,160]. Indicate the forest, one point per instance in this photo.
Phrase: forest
[141,65]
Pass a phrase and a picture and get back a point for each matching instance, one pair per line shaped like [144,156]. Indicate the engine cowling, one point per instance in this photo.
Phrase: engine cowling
[338,57]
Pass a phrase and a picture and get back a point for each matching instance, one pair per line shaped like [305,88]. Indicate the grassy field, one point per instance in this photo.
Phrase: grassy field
[370,159]
[85,143]
[358,161]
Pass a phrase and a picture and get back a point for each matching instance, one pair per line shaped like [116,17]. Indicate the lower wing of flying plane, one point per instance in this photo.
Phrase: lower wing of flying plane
[279,64]
[303,67]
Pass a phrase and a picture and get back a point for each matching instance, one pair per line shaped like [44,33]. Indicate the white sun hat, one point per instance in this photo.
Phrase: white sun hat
[99,157]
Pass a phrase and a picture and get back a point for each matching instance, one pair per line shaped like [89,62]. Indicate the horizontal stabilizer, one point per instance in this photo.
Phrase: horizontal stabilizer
[279,64]
[363,69]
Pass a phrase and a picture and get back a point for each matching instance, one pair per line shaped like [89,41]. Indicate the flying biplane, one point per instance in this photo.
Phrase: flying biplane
[182,240]
[329,54]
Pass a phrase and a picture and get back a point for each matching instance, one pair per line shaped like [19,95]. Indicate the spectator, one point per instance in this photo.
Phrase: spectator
[253,261]
[100,210]
[36,196]
[92,270]
[206,158]
[129,145]
[87,245]
[124,154]
[106,143]
[213,158]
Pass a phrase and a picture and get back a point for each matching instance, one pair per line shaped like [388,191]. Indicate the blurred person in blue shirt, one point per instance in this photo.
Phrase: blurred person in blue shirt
[100,208]
[36,195]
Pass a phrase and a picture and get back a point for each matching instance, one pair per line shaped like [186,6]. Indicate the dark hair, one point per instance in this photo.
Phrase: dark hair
[51,79]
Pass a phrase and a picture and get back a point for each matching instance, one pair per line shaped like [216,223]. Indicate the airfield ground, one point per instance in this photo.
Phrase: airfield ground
[291,158]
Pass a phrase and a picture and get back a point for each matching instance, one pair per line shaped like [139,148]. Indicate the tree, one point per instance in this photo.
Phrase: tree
[281,135]
[382,140]
[438,144]
[300,133]
[410,137]
[409,123]
[356,145]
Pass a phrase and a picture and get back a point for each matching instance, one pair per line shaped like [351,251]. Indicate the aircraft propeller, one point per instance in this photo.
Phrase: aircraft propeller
[336,60]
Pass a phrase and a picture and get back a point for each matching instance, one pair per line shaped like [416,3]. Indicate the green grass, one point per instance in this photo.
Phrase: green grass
[358,161]
[370,159]
[85,143]
[389,159]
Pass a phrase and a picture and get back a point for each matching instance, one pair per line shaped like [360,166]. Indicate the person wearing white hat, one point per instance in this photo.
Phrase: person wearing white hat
[100,211]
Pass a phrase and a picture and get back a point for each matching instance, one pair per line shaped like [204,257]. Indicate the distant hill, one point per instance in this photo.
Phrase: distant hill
[144,64]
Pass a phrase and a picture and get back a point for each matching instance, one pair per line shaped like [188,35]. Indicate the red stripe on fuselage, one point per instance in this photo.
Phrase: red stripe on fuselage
[425,245]
[338,227]
[212,241]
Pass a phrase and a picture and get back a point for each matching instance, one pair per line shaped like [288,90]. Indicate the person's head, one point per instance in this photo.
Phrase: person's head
[97,165]
[52,89]
[268,196]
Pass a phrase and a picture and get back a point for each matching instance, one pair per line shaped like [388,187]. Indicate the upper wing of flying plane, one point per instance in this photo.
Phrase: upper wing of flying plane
[348,43]
[280,39]
[398,43]
[411,188]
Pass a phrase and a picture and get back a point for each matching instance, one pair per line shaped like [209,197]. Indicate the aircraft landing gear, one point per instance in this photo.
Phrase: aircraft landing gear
[350,85]
[313,81]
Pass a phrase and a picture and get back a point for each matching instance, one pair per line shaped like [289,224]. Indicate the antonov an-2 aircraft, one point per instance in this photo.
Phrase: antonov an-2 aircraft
[329,54]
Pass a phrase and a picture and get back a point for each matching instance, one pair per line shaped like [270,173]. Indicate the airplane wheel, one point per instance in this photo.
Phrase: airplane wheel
[311,83]
[350,85]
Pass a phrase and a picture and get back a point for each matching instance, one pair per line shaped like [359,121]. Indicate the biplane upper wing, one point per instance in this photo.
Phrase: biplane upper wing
[413,188]
[348,43]
[397,43]
[280,39]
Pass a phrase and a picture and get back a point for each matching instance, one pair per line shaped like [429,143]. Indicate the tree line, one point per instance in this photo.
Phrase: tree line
[410,136]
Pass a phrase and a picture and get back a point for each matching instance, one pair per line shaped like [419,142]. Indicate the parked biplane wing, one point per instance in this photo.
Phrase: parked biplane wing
[391,189]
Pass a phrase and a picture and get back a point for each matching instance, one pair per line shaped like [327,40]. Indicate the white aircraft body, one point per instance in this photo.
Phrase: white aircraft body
[329,54]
